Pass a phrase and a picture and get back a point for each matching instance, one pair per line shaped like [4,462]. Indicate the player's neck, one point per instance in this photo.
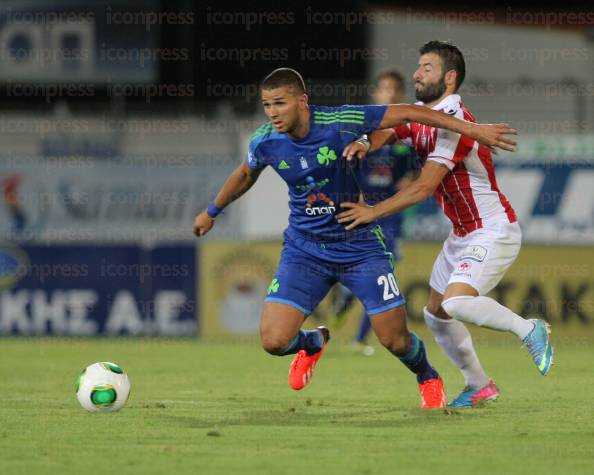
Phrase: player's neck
[439,99]
[301,128]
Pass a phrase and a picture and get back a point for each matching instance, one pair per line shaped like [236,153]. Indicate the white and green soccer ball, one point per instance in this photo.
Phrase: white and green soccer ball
[102,387]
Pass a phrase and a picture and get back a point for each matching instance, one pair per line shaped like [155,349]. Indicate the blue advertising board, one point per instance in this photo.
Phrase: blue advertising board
[554,202]
[83,290]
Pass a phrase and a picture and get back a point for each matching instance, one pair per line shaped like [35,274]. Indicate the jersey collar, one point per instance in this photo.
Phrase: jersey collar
[450,102]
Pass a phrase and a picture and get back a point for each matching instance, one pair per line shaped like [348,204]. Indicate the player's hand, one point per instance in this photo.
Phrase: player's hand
[202,224]
[356,214]
[354,149]
[494,136]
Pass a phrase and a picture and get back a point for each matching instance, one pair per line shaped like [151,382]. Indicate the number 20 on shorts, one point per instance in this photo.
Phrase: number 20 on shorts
[391,289]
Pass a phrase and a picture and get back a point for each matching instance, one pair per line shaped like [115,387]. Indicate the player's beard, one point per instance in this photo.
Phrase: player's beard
[293,126]
[431,92]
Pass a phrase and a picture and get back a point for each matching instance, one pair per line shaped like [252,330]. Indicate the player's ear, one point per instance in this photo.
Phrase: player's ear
[450,78]
[303,101]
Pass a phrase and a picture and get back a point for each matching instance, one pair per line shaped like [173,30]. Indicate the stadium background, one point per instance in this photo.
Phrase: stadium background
[120,120]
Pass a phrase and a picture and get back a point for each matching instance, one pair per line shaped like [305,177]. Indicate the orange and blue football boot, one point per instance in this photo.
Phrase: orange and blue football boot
[302,366]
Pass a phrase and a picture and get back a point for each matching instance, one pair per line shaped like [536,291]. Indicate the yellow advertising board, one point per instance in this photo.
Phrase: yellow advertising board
[546,281]
[234,278]
[554,282]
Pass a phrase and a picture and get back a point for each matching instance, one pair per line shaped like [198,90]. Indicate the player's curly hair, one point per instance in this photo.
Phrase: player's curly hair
[284,77]
[451,56]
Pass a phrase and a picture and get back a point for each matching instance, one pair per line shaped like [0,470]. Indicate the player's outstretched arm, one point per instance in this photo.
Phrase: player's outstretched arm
[240,181]
[419,190]
[490,135]
[377,139]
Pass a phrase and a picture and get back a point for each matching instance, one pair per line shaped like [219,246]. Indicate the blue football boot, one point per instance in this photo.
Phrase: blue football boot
[539,346]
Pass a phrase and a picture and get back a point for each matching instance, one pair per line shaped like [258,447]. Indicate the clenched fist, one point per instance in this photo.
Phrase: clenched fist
[202,224]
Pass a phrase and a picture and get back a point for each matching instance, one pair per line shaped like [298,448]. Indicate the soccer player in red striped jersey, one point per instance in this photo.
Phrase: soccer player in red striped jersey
[485,238]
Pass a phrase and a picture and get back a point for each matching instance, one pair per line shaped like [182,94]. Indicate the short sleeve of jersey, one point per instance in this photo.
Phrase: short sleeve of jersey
[450,148]
[403,134]
[357,120]
[254,161]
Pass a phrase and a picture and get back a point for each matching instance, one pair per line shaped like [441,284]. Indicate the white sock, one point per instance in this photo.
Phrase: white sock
[486,312]
[455,340]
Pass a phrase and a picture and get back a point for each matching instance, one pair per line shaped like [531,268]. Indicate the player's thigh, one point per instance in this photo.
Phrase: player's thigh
[505,251]
[374,283]
[484,260]
[279,324]
[441,273]
[301,281]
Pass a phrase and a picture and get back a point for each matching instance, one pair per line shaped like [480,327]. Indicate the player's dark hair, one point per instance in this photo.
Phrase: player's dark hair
[284,77]
[451,57]
[394,75]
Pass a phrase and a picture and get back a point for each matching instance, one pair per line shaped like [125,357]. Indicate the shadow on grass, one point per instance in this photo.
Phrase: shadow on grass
[388,417]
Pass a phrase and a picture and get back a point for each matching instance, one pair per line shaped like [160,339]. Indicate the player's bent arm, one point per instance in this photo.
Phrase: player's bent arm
[416,191]
[356,213]
[240,181]
[490,135]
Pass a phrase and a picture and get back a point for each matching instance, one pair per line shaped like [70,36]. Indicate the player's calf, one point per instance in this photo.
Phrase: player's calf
[415,359]
[430,383]
[390,328]
[396,343]
[486,312]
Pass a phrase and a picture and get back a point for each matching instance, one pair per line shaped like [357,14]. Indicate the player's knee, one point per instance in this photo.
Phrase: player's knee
[397,343]
[275,344]
[273,348]
[460,308]
[436,310]
[433,307]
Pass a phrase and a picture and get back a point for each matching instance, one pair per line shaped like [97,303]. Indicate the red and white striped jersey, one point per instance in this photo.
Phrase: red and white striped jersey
[468,195]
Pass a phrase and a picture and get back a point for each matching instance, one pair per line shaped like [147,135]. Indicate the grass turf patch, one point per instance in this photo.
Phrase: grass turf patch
[226,407]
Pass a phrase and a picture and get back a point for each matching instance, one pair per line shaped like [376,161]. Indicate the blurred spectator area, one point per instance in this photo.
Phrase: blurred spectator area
[172,87]
[529,66]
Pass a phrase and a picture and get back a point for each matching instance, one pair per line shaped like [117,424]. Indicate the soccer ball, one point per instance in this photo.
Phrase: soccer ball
[102,387]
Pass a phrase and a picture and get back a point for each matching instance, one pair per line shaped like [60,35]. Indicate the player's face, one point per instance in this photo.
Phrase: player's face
[388,91]
[429,78]
[282,106]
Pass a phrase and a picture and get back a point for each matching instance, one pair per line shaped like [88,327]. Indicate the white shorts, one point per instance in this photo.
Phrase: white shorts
[479,259]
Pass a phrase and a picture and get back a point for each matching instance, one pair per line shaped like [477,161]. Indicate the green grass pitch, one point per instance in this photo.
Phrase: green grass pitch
[225,408]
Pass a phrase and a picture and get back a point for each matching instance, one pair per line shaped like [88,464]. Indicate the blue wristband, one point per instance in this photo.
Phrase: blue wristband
[213,210]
